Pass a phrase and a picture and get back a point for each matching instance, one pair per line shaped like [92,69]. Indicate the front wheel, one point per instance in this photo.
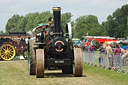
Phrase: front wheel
[78,65]
[40,64]
[7,52]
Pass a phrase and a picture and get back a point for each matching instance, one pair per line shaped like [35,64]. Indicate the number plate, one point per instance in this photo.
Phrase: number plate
[59,61]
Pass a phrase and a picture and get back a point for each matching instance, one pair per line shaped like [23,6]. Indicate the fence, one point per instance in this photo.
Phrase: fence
[115,62]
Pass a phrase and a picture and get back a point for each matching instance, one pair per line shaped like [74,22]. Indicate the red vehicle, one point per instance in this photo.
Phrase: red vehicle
[13,44]
[96,40]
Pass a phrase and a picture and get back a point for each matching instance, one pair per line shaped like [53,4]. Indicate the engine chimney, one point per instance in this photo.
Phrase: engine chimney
[57,18]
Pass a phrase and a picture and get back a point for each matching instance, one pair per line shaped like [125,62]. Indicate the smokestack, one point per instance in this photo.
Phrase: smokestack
[57,18]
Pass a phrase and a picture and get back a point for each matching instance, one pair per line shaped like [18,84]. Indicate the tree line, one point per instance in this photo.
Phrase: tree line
[31,20]
[115,26]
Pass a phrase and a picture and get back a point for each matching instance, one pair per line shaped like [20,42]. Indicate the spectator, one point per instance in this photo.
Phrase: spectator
[82,47]
[117,57]
[109,54]
[101,55]
[91,54]
[86,48]
[104,47]
[123,57]
[117,49]
[91,49]
[123,51]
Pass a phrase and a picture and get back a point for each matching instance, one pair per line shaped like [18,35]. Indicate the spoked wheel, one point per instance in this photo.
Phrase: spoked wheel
[7,52]
[40,65]
[78,66]
[31,58]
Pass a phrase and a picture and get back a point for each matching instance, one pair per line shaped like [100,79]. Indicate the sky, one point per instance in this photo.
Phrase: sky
[99,8]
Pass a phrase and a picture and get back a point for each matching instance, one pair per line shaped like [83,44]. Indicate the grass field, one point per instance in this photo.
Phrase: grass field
[15,72]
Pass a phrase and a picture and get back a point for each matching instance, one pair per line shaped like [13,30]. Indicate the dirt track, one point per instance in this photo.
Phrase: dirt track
[16,73]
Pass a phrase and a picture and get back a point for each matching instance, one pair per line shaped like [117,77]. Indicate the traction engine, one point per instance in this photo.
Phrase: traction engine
[52,50]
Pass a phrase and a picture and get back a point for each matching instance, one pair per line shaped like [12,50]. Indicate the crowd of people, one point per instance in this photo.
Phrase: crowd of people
[113,54]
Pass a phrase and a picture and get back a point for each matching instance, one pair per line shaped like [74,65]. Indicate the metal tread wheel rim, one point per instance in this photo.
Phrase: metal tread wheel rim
[40,65]
[7,52]
[31,59]
[78,65]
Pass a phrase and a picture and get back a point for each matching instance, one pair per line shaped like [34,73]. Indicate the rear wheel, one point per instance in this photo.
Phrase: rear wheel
[7,52]
[31,58]
[78,66]
[40,65]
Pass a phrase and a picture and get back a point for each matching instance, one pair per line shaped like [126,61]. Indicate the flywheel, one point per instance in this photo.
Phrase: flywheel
[69,30]
[7,52]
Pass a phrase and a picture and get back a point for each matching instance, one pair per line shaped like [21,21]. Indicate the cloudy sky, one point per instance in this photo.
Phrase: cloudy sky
[99,8]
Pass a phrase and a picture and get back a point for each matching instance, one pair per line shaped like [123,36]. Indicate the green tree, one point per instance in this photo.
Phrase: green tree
[65,18]
[116,24]
[12,23]
[87,24]
[1,32]
[31,20]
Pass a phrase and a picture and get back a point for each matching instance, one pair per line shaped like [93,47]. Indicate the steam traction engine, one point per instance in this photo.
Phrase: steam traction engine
[13,44]
[52,50]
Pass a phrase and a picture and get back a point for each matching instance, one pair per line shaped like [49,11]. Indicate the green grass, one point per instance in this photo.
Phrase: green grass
[113,76]
[15,72]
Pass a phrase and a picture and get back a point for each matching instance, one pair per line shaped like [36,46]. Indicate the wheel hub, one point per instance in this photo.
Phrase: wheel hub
[7,52]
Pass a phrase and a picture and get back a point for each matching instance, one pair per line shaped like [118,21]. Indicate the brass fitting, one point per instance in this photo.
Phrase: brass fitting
[56,8]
